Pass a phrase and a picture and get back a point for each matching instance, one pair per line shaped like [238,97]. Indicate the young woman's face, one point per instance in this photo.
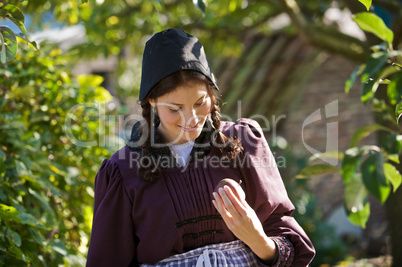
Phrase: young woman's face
[183,112]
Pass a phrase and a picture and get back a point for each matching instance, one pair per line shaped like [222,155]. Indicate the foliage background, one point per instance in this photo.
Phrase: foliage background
[46,181]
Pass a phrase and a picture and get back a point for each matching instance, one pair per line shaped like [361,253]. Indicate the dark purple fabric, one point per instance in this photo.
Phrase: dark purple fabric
[135,220]
[285,252]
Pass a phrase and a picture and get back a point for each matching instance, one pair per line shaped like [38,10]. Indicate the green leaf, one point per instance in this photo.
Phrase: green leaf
[370,22]
[360,218]
[28,219]
[367,91]
[364,132]
[80,2]
[373,176]
[380,47]
[374,74]
[57,169]
[59,247]
[394,89]
[89,80]
[355,200]
[44,200]
[366,3]
[398,111]
[394,158]
[14,237]
[14,14]
[33,43]
[352,78]
[16,252]
[327,155]
[201,4]
[3,102]
[350,163]
[317,169]
[9,213]
[374,63]
[36,235]
[392,175]
[378,105]
[8,44]
[3,56]
[392,144]
[21,169]
[26,160]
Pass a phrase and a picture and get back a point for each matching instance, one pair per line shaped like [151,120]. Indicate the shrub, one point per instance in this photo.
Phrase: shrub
[46,180]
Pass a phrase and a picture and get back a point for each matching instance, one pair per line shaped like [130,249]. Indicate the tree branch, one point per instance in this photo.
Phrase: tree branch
[334,41]
[326,38]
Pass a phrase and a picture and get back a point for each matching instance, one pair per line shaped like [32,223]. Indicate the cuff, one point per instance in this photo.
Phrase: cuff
[284,253]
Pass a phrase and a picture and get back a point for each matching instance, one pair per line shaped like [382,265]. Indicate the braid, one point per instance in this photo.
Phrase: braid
[215,115]
[228,147]
[147,170]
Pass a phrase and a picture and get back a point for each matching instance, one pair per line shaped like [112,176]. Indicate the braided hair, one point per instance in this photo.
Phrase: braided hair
[228,147]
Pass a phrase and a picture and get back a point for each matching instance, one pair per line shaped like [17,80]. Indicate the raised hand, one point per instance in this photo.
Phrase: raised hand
[242,220]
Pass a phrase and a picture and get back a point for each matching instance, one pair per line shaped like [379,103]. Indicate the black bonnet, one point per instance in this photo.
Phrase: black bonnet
[170,51]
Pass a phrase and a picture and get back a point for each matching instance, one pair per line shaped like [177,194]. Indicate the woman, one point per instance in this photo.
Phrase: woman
[155,199]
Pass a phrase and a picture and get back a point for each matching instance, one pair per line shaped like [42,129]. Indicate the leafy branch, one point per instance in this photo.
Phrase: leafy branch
[8,40]
[371,169]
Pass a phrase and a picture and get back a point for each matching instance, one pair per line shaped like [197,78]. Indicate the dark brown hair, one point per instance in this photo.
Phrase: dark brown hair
[227,146]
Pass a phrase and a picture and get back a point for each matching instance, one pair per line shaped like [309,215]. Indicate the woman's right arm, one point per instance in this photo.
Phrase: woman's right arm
[112,239]
[267,195]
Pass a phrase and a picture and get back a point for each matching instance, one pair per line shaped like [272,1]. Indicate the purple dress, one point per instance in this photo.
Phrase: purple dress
[136,221]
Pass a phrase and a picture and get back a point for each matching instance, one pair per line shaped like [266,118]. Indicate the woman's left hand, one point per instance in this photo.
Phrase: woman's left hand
[242,220]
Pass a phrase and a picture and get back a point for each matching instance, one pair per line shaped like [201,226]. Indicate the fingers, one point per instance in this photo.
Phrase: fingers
[227,201]
[226,216]
[232,203]
[240,218]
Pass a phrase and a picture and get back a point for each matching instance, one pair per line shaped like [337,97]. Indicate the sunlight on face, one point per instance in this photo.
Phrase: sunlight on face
[183,112]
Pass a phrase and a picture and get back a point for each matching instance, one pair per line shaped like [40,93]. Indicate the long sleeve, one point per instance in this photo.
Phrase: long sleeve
[266,193]
[112,240]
